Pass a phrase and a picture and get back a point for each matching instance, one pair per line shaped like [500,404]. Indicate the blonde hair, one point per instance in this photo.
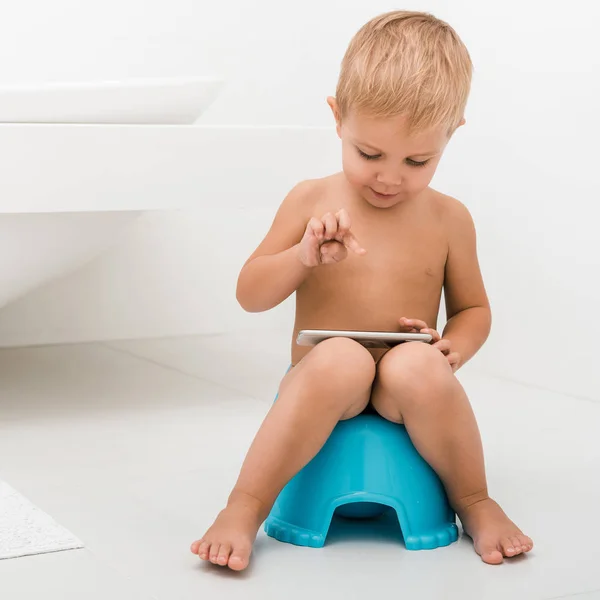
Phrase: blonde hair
[406,63]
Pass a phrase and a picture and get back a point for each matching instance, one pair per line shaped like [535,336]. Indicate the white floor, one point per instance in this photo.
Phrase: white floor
[134,446]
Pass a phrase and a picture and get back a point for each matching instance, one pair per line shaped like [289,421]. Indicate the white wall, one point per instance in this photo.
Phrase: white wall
[525,164]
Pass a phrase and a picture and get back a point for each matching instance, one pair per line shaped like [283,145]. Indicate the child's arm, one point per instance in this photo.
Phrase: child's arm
[467,305]
[296,243]
[274,271]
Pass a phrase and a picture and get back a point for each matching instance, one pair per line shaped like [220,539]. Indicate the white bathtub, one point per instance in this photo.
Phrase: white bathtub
[36,248]
[60,206]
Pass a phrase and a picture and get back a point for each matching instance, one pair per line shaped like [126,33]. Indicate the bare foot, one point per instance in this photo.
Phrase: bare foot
[494,534]
[229,541]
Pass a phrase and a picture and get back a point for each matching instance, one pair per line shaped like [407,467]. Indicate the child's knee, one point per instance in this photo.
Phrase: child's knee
[341,363]
[415,370]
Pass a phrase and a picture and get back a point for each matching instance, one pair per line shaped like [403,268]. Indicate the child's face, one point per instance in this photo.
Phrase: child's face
[383,162]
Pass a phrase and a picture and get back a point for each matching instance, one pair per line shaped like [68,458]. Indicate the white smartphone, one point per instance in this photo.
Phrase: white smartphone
[368,339]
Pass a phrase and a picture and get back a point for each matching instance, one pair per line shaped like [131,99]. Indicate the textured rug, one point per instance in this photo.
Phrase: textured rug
[26,530]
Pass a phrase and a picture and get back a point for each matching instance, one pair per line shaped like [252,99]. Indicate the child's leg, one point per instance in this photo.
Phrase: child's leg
[332,382]
[415,385]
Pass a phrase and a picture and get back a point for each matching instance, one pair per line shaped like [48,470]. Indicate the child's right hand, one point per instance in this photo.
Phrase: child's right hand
[327,241]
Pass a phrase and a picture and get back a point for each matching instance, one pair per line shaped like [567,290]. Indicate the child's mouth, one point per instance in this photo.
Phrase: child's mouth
[383,196]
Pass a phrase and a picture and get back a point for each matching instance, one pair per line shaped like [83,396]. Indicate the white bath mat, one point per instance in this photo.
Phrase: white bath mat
[25,529]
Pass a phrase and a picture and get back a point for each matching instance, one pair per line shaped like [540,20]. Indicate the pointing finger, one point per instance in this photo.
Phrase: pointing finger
[352,244]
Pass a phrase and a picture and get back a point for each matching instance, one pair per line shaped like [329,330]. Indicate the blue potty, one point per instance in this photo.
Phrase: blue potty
[367,465]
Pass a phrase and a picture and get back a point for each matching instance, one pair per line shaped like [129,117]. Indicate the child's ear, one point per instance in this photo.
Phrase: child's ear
[453,131]
[335,109]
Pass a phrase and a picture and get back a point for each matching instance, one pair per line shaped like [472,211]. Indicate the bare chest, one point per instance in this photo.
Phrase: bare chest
[402,274]
[405,257]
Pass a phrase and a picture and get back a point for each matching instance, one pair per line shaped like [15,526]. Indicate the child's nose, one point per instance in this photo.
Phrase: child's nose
[391,180]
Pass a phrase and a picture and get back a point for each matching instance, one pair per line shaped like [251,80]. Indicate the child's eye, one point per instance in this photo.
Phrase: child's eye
[417,163]
[368,156]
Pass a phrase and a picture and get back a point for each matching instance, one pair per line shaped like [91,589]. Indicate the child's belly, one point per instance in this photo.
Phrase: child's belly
[370,295]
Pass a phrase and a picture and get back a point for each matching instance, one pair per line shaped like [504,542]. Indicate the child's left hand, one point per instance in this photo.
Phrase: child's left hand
[443,345]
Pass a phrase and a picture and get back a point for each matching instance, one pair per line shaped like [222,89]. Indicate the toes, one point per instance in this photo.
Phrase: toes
[203,550]
[490,554]
[238,563]
[240,557]
[526,542]
[516,543]
[224,553]
[508,547]
[492,557]
[218,554]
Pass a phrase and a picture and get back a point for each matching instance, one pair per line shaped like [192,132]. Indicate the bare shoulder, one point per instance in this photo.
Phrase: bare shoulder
[452,212]
[313,196]
[304,197]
